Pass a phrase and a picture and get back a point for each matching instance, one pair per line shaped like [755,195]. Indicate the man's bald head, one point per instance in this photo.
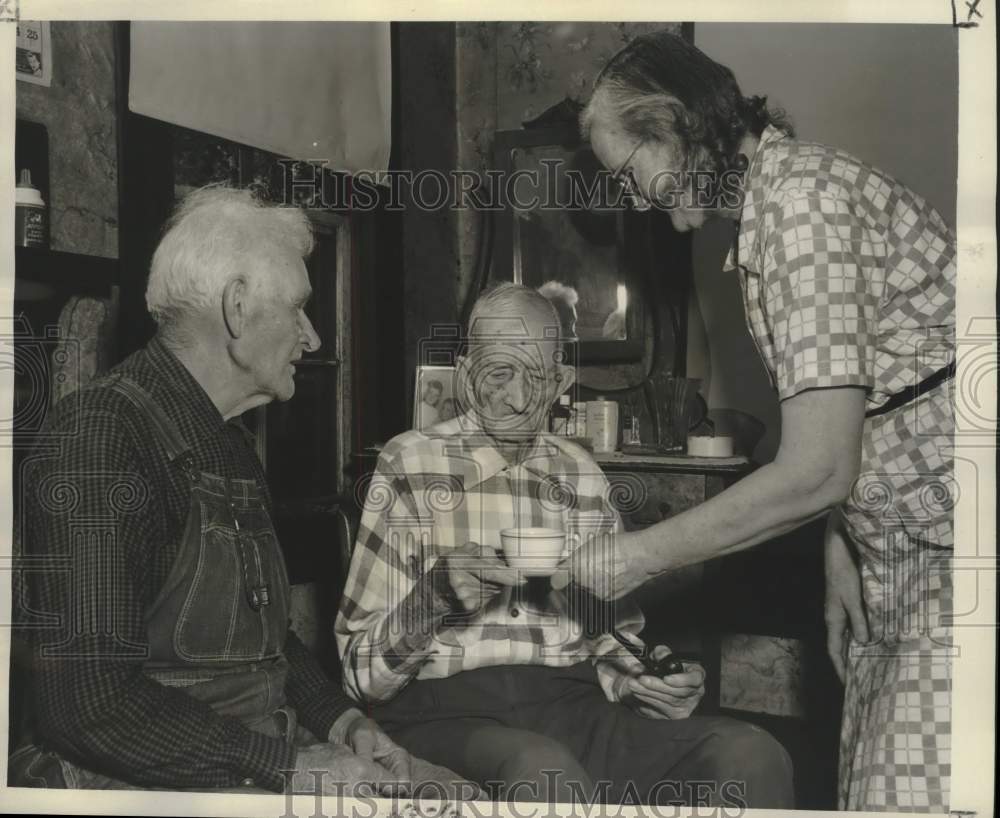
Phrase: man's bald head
[514,311]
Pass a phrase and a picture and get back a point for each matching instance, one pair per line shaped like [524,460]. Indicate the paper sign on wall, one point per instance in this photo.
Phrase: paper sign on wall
[34,52]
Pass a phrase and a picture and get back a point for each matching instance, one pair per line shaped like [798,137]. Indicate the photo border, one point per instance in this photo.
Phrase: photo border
[974,678]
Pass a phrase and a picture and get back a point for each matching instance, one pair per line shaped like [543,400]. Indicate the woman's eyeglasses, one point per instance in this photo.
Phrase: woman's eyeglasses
[625,181]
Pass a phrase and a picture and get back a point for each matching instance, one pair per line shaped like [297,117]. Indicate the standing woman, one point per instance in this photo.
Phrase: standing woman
[848,279]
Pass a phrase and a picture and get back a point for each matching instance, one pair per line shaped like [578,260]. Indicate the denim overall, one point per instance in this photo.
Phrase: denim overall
[217,627]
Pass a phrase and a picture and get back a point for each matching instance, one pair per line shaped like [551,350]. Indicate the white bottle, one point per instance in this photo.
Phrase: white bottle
[30,214]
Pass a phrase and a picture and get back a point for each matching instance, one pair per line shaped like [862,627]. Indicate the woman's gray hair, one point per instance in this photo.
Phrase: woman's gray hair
[660,88]
[642,114]
[216,233]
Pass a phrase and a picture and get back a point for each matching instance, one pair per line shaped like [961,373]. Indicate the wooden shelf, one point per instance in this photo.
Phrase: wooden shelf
[617,461]
[40,273]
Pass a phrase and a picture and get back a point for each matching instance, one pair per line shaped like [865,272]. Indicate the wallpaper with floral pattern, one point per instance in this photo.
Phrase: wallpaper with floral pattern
[538,64]
[511,72]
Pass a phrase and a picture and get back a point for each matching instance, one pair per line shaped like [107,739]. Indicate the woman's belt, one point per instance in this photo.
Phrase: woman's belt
[911,393]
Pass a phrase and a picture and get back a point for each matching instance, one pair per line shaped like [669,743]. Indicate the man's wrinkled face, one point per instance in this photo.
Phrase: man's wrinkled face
[279,330]
[513,374]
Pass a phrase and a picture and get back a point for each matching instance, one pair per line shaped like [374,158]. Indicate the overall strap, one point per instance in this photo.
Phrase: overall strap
[166,431]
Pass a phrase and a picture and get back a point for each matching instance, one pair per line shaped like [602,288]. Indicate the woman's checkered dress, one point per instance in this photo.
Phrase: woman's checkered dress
[848,279]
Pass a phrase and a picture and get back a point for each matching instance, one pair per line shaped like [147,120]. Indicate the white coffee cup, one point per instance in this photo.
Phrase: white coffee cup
[534,551]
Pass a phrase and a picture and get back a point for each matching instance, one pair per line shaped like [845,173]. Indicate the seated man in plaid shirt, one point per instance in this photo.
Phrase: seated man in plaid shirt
[472,667]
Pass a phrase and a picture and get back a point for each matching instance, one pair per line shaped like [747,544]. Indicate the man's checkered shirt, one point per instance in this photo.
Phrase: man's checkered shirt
[434,491]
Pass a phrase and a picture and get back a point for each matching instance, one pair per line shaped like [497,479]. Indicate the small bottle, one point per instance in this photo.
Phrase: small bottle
[559,416]
[30,215]
[580,408]
[630,425]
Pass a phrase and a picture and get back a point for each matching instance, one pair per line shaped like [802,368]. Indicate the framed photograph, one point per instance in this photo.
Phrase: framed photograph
[434,396]
[33,56]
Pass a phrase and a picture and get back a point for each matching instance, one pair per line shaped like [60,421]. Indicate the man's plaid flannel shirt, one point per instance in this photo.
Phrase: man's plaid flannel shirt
[432,492]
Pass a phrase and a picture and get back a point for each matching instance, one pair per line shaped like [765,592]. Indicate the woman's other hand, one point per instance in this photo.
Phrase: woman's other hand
[844,610]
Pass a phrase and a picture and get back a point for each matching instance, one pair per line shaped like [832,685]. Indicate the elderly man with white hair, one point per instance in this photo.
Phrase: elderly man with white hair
[501,678]
[171,664]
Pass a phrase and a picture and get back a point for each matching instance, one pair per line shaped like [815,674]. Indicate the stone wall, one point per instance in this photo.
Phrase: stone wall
[78,109]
